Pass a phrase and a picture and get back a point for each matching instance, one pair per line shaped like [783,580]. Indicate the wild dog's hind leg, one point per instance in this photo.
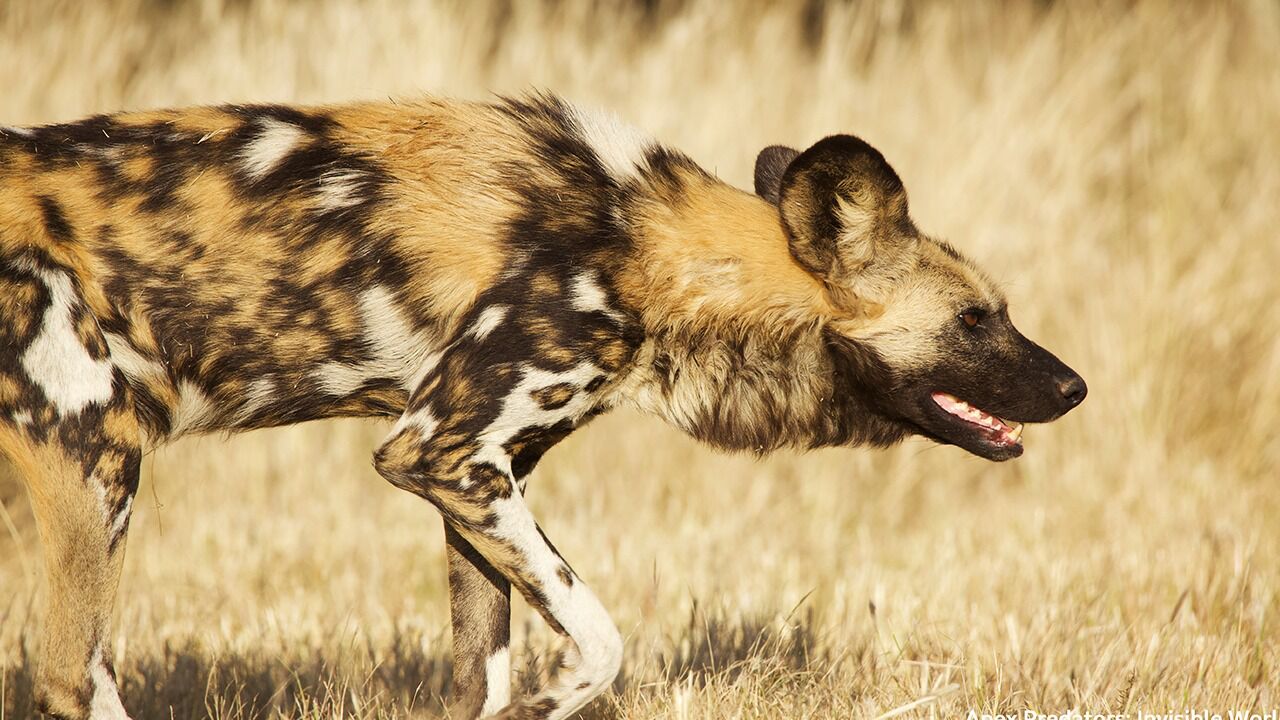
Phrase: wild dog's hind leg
[480,610]
[67,422]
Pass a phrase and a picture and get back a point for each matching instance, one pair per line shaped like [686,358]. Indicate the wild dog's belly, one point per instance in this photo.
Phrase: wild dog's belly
[302,354]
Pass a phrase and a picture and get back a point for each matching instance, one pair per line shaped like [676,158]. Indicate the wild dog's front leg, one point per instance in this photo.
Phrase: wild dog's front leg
[480,610]
[483,506]
[456,446]
[563,599]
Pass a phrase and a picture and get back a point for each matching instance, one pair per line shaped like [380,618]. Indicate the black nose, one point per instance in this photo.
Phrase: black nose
[1072,389]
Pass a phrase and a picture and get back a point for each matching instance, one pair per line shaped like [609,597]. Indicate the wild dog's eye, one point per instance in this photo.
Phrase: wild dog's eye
[970,318]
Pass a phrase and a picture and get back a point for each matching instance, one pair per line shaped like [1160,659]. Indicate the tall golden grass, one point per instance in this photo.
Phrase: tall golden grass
[1116,165]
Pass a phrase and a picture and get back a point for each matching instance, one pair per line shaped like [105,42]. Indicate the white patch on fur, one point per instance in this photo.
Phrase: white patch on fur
[22,418]
[130,361]
[339,378]
[105,704]
[490,318]
[396,346]
[340,189]
[520,410]
[122,517]
[195,411]
[57,362]
[588,296]
[422,419]
[620,146]
[118,522]
[19,131]
[100,489]
[397,350]
[258,395]
[274,142]
[497,681]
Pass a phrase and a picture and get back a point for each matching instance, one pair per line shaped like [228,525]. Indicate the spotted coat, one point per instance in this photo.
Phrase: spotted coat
[488,275]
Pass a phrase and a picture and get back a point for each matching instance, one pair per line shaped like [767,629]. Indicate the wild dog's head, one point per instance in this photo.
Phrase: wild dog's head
[928,345]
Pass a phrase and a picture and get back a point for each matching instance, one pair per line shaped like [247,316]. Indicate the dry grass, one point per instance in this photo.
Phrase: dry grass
[1117,166]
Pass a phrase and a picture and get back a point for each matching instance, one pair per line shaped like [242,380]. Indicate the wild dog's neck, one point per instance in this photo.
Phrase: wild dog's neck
[737,352]
[708,252]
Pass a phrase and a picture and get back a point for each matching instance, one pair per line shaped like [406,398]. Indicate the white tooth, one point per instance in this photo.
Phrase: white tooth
[1016,432]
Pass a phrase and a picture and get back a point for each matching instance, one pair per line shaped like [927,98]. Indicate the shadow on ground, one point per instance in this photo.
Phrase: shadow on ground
[407,677]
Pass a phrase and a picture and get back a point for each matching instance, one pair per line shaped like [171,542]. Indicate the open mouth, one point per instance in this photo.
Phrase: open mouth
[993,430]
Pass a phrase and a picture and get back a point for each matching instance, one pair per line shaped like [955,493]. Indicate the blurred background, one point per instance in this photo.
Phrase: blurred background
[1113,164]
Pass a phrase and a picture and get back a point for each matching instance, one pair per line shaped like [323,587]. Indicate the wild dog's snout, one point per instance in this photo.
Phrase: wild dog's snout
[1066,388]
[1072,389]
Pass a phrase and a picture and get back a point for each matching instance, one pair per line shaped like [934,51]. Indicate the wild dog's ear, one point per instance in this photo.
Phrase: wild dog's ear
[771,163]
[845,213]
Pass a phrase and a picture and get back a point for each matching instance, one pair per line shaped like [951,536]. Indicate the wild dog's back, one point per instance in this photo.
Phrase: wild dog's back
[262,265]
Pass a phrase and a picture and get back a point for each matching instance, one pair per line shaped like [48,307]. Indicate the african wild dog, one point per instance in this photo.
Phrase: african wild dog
[492,275]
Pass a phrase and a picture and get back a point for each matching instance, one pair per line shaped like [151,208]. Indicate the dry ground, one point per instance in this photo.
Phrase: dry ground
[1115,165]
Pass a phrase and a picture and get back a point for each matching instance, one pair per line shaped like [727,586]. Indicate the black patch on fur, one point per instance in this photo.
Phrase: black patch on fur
[863,408]
[170,174]
[311,121]
[535,442]
[55,220]
[668,173]
[153,414]
[130,475]
[543,708]
[556,139]
[565,575]
[63,144]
